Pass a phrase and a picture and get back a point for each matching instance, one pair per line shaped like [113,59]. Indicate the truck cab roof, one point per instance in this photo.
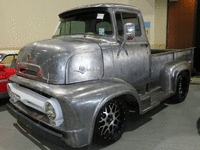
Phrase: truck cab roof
[100,5]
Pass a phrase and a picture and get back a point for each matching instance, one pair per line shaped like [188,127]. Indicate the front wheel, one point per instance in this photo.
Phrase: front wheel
[182,88]
[110,122]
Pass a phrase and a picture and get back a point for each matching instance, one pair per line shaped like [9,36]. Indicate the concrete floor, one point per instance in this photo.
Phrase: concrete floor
[167,127]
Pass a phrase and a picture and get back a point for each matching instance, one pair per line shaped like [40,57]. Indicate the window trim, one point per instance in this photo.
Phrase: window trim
[121,11]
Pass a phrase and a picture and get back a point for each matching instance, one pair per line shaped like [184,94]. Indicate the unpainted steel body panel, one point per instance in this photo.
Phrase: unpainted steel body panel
[166,66]
[169,73]
[80,103]
[84,72]
[131,64]
[51,58]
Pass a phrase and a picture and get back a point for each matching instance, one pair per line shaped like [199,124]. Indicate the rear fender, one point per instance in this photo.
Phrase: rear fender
[169,74]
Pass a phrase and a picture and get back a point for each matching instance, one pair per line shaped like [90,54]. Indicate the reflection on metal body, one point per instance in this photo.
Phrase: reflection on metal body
[82,73]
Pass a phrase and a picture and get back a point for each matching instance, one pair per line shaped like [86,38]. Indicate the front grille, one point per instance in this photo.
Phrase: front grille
[42,121]
[36,91]
[30,112]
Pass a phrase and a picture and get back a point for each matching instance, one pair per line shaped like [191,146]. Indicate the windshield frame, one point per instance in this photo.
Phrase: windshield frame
[75,12]
[2,56]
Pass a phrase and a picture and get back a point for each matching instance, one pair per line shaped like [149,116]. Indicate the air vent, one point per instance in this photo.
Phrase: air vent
[28,72]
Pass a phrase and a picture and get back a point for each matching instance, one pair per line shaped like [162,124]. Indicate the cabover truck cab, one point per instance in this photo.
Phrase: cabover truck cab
[78,84]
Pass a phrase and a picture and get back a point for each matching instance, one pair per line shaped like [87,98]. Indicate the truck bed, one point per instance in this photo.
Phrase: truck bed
[161,57]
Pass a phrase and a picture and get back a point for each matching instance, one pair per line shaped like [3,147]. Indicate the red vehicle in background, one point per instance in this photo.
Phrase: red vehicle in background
[7,69]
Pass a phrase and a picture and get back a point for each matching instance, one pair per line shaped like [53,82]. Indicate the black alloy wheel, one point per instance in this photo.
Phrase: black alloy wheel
[110,122]
[182,88]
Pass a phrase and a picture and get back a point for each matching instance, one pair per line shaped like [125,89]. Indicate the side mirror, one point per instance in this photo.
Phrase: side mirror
[129,31]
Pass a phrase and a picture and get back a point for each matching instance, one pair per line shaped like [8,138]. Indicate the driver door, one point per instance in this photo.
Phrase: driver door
[131,58]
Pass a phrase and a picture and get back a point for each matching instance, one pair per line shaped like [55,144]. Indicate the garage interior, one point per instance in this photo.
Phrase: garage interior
[172,24]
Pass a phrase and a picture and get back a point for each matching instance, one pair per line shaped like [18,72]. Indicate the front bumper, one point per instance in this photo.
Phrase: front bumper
[76,130]
[53,135]
[35,127]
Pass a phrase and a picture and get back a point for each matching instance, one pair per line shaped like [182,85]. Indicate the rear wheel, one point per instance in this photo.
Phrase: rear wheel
[182,88]
[110,122]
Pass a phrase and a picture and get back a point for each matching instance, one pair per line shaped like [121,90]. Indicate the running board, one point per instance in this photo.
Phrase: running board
[155,98]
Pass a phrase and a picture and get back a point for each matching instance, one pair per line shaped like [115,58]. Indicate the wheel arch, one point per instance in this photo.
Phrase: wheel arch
[169,74]
[129,97]
[177,74]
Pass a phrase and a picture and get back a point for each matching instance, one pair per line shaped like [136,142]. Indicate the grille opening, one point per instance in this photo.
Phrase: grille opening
[28,72]
[37,91]
[22,70]
[31,113]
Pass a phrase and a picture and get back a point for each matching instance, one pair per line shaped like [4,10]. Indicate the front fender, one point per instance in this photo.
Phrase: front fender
[89,100]
[80,104]
[169,73]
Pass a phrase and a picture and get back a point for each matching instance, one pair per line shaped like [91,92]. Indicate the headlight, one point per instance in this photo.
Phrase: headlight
[54,112]
[50,111]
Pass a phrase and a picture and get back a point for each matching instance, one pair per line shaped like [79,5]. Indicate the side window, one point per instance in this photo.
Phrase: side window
[128,18]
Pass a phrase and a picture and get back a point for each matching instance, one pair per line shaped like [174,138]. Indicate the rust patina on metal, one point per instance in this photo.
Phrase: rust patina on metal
[79,82]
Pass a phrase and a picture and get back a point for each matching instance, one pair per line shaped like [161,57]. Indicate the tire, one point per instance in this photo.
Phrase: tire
[110,122]
[182,87]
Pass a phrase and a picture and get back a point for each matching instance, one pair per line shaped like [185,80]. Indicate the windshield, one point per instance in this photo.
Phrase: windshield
[92,22]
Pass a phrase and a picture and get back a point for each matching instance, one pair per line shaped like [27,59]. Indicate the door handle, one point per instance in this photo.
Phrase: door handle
[144,45]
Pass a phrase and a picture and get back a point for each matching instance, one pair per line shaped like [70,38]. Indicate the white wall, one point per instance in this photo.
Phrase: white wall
[25,21]
[147,8]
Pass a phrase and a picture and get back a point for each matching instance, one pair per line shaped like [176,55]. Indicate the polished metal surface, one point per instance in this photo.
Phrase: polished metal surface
[83,72]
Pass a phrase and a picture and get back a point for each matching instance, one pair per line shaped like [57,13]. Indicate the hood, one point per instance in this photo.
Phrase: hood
[47,60]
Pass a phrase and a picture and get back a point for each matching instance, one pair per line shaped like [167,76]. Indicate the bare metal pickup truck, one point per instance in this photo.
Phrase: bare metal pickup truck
[79,85]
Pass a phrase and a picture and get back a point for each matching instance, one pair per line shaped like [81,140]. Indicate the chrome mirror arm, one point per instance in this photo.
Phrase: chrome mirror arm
[121,47]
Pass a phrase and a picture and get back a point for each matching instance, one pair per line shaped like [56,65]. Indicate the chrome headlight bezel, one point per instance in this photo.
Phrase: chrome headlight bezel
[50,111]
[53,111]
